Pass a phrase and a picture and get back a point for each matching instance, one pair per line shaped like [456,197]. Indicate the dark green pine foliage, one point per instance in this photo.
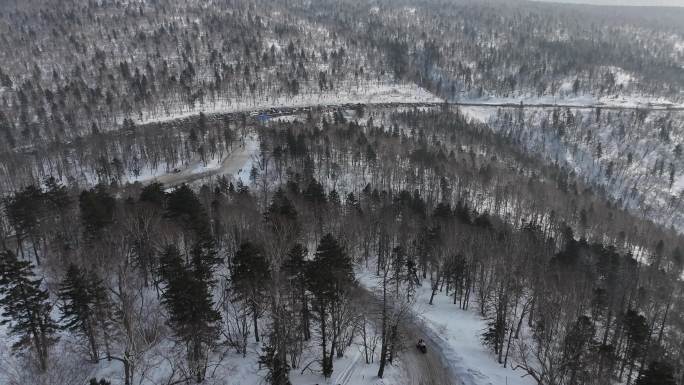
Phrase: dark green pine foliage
[658,373]
[495,334]
[26,308]
[334,198]
[184,207]
[97,210]
[352,205]
[636,330]
[331,270]
[282,217]
[250,274]
[78,299]
[32,210]
[191,309]
[153,194]
[329,276]
[442,211]
[103,310]
[56,195]
[281,206]
[294,268]
[578,349]
[24,211]
[314,192]
[102,381]
[278,370]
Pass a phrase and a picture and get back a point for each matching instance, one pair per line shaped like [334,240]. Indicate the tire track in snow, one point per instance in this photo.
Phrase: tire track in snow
[431,368]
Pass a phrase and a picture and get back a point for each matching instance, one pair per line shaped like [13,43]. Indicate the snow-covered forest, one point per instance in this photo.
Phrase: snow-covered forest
[297,192]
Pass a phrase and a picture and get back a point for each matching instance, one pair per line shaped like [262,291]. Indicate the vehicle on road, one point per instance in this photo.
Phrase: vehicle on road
[421,346]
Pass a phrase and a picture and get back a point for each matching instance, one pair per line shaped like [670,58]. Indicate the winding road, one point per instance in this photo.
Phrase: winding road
[431,368]
[240,156]
[232,165]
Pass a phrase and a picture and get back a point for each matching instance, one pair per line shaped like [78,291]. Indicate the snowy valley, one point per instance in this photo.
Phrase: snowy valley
[444,192]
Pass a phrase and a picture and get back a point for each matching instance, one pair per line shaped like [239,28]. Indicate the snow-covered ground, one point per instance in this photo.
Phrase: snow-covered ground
[457,334]
[381,93]
[227,368]
[236,165]
[637,157]
[615,101]
[352,370]
[69,364]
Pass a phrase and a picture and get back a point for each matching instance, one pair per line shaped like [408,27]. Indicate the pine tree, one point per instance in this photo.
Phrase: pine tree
[636,328]
[78,307]
[314,192]
[153,194]
[658,373]
[295,269]
[278,370]
[24,211]
[185,208]
[249,276]
[579,345]
[102,306]
[97,210]
[329,275]
[191,309]
[26,307]
[94,381]
[281,206]
[282,218]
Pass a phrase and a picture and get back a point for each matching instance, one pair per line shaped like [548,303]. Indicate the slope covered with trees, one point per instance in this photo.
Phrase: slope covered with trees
[561,228]
[575,288]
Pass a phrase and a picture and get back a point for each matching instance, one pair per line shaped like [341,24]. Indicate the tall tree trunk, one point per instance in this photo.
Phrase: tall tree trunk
[93,345]
[255,319]
[383,349]
[327,371]
[662,325]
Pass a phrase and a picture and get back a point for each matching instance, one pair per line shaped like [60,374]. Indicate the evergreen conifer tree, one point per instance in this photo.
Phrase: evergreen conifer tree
[328,276]
[278,371]
[191,309]
[658,373]
[295,270]
[78,307]
[26,307]
[249,275]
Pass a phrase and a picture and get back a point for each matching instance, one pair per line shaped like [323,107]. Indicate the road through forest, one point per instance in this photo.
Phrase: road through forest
[431,368]
[240,156]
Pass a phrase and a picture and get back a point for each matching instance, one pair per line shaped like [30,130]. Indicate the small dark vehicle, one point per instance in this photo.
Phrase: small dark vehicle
[421,346]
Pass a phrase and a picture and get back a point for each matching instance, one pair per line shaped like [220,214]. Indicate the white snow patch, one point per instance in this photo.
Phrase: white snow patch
[367,94]
[457,332]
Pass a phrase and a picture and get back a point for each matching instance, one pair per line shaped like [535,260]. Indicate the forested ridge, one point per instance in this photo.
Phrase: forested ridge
[72,74]
[575,289]
[467,49]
